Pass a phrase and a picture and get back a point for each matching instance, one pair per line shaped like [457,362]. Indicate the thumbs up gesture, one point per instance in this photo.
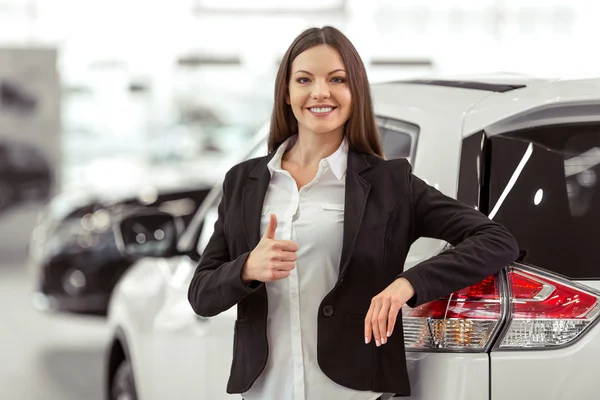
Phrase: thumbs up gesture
[271,259]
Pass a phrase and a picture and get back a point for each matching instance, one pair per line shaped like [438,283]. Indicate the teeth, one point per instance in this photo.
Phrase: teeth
[321,110]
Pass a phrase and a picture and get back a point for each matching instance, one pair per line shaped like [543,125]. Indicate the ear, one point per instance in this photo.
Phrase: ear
[287,97]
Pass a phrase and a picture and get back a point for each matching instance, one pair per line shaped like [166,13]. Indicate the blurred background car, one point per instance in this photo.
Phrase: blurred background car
[73,258]
[25,174]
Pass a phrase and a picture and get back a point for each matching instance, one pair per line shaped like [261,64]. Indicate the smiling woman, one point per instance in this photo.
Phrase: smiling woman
[310,241]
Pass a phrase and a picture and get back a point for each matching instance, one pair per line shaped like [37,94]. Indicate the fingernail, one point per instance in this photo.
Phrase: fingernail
[366,340]
[377,343]
[383,340]
[389,334]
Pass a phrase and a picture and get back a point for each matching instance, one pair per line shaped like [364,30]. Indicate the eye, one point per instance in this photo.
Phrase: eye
[302,80]
[338,80]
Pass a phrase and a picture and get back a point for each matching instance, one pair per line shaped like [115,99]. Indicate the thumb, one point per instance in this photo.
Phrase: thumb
[270,231]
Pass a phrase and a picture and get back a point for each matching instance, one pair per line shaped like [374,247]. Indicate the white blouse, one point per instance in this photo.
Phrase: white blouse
[313,217]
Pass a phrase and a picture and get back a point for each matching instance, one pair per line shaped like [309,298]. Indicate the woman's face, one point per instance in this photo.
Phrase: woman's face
[318,90]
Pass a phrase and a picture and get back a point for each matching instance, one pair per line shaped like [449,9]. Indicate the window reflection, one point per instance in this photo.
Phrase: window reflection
[581,172]
[553,207]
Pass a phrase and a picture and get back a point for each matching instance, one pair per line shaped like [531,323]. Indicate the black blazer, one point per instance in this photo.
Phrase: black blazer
[386,210]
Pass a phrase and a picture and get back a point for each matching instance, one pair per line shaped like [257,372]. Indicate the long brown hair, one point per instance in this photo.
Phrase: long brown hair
[360,129]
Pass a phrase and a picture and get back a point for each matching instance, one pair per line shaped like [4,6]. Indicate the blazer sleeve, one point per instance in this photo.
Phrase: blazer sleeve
[482,247]
[217,284]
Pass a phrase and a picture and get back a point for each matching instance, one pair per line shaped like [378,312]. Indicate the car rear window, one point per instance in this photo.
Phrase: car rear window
[545,188]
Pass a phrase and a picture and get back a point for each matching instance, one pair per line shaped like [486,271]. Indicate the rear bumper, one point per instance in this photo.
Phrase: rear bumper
[554,374]
[448,376]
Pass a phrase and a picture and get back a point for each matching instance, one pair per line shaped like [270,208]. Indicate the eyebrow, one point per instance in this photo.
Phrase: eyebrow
[332,72]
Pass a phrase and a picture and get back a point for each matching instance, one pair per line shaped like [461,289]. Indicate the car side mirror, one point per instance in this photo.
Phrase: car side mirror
[148,233]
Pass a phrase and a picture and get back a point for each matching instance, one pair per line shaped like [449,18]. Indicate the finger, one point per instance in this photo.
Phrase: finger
[278,274]
[393,316]
[382,320]
[368,325]
[286,255]
[284,265]
[286,245]
[375,322]
[271,227]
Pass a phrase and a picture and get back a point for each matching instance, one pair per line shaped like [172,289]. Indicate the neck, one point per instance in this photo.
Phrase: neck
[310,148]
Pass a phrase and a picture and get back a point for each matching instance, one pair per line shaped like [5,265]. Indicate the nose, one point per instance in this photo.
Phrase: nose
[320,91]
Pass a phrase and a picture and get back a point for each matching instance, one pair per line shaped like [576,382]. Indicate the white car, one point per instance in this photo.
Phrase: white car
[526,152]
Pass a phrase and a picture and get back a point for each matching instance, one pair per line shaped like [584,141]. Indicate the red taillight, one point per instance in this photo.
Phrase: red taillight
[523,287]
[480,301]
[484,290]
[535,297]
[464,320]
[546,310]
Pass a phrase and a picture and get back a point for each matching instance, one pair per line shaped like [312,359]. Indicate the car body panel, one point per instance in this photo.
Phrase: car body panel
[447,376]
[501,106]
[142,289]
[557,374]
[173,350]
[189,349]
[440,127]
[484,109]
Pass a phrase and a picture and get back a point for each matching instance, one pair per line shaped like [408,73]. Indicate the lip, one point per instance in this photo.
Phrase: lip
[321,106]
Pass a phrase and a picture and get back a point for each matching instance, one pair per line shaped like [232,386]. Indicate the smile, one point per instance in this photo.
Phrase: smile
[321,111]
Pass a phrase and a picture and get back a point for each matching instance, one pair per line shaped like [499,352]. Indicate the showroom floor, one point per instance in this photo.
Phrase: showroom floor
[43,356]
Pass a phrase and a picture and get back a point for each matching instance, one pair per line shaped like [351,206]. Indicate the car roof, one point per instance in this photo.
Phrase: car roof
[494,102]
[497,82]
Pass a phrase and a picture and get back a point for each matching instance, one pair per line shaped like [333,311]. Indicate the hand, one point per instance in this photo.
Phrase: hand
[384,309]
[271,259]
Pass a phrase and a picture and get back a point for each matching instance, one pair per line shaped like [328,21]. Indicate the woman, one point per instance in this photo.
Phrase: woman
[311,240]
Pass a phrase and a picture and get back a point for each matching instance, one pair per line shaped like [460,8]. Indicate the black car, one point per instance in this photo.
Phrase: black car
[25,174]
[73,257]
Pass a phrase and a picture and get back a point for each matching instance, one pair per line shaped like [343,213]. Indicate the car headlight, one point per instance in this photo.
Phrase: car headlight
[99,220]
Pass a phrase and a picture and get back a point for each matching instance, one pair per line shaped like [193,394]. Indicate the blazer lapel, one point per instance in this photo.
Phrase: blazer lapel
[357,191]
[253,197]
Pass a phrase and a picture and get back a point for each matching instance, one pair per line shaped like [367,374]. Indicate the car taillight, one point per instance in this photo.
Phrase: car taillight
[546,311]
[466,320]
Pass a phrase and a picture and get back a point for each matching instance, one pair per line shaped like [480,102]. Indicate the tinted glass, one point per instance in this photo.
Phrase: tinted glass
[553,208]
[398,138]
